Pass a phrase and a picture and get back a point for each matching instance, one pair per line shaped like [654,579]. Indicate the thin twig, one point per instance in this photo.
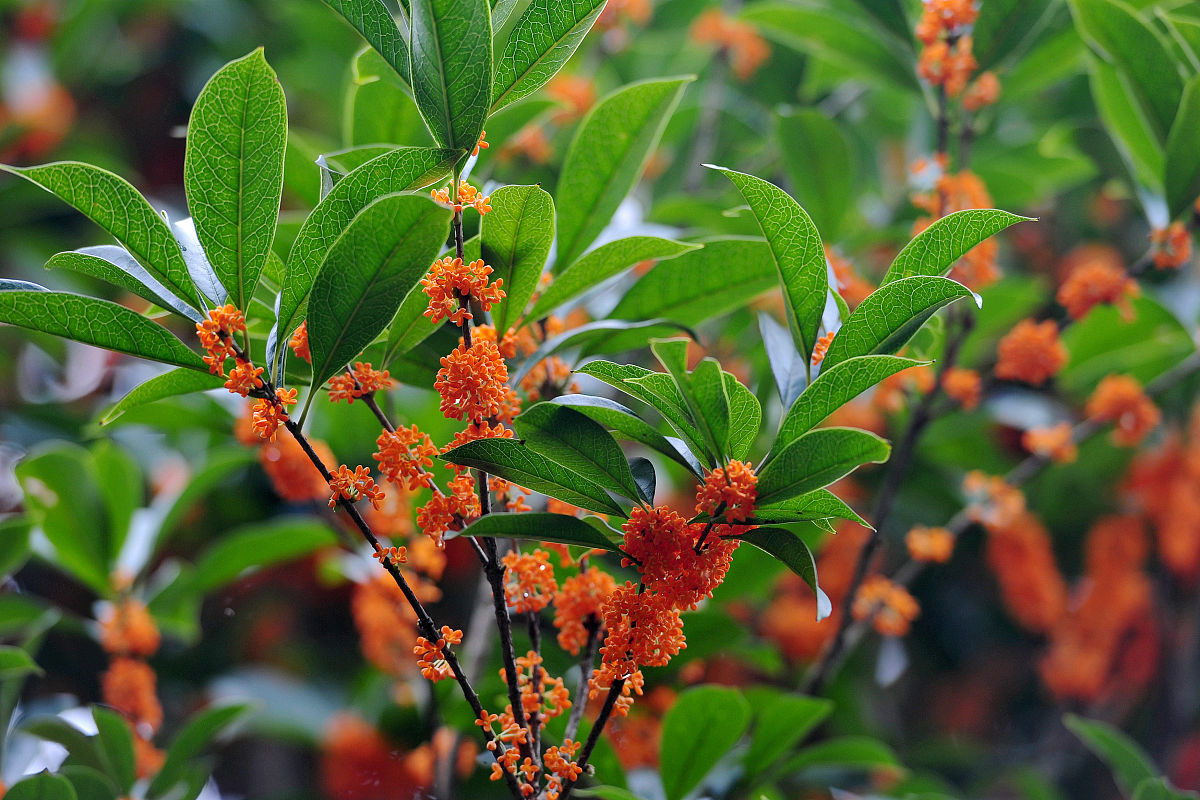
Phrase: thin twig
[610,703]
[587,665]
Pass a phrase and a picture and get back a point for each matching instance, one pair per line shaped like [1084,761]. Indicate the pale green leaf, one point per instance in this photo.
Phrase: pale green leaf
[515,240]
[543,39]
[817,459]
[934,250]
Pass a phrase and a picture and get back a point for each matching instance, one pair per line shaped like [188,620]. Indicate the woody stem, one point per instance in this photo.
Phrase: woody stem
[587,666]
[610,703]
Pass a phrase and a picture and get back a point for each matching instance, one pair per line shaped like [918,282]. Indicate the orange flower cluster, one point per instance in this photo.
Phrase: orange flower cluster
[1031,353]
[481,430]
[664,547]
[945,18]
[822,347]
[267,416]
[472,382]
[393,555]
[129,687]
[577,607]
[352,486]
[215,334]
[1095,282]
[931,545]
[575,93]
[451,283]
[1120,399]
[481,144]
[529,583]
[357,763]
[732,488]
[431,656]
[963,386]
[888,605]
[128,634]
[244,378]
[404,455]
[127,629]
[1172,246]
[957,192]
[1164,484]
[299,342]
[1020,555]
[361,381]
[746,49]
[850,285]
[1056,443]
[466,197]
[644,630]
[947,64]
[992,502]
[290,471]
[450,511]
[984,91]
[559,760]
[386,624]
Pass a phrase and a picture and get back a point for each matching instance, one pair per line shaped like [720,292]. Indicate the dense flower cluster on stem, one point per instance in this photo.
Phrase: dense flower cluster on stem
[471,382]
[430,656]
[1093,283]
[467,196]
[404,455]
[1031,353]
[529,583]
[934,545]
[352,485]
[451,284]
[361,381]
[1172,246]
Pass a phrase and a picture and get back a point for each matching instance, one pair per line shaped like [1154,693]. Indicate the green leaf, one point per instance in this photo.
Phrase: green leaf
[233,170]
[791,550]
[745,415]
[797,252]
[452,68]
[890,316]
[844,751]
[1160,789]
[1138,51]
[1182,177]
[577,442]
[607,156]
[369,271]
[627,424]
[14,544]
[219,466]
[603,263]
[400,170]
[1129,763]
[257,546]
[607,793]
[512,461]
[1126,123]
[543,39]
[817,459]
[116,745]
[113,265]
[816,157]
[42,786]
[700,727]
[96,322]
[197,735]
[89,783]
[122,489]
[169,384]
[783,722]
[934,250]
[112,203]
[538,526]
[15,662]
[723,276]
[409,327]
[832,389]
[787,365]
[710,405]
[604,332]
[379,108]
[372,19]
[84,749]
[819,504]
[515,240]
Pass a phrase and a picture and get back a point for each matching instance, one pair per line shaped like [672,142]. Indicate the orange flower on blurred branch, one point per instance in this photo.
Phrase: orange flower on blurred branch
[1119,399]
[1031,353]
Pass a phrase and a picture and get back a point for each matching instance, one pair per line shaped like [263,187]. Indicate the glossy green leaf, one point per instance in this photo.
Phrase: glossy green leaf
[745,417]
[890,316]
[543,39]
[1129,763]
[42,786]
[14,544]
[606,261]
[400,170]
[96,322]
[89,783]
[515,240]
[606,158]
[197,735]
[816,158]
[114,265]
[653,388]
[791,550]
[627,424]
[121,486]
[797,252]
[379,110]
[1182,164]
[845,751]
[233,170]
[15,662]
[817,459]
[369,271]
[819,504]
[373,20]
[169,384]
[935,250]
[116,745]
[832,389]
[112,203]
[452,68]
[604,331]
[409,327]
[577,442]
[257,546]
[698,285]
[1126,123]
[510,460]
[783,722]
[700,727]
[538,526]
[710,405]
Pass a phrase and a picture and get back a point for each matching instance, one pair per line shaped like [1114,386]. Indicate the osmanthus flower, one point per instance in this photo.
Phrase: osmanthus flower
[358,763]
[127,629]
[475,431]
[451,284]
[361,381]
[644,630]
[822,347]
[353,485]
[471,382]
[947,64]
[129,687]
[529,583]
[481,144]
[292,475]
[1120,399]
[560,760]
[1021,557]
[606,675]
[267,416]
[732,488]
[1163,483]
[512,495]
[577,607]
[468,197]
[431,656]
[449,511]
[215,332]
[1056,443]
[1093,283]
[386,624]
[963,386]
[393,555]
[850,285]
[404,455]
[663,546]
[244,379]
[888,605]
[940,18]
[1172,246]
[992,501]
[542,697]
[931,545]
[1031,353]
[299,342]
[746,48]
[983,91]
[507,344]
